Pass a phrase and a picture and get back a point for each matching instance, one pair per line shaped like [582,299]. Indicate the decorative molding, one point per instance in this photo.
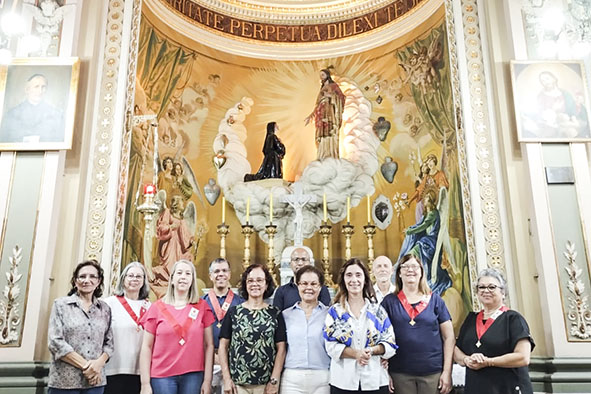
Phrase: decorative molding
[483,137]
[294,26]
[126,143]
[102,144]
[461,142]
[293,13]
[578,313]
[9,312]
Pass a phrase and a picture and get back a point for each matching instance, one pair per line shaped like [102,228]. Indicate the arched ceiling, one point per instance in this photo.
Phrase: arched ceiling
[292,29]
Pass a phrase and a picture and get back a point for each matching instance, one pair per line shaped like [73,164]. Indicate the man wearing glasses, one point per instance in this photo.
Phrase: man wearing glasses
[220,298]
[288,294]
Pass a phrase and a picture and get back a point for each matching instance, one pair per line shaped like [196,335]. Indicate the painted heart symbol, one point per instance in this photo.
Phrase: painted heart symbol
[381,128]
[219,160]
[388,169]
[211,191]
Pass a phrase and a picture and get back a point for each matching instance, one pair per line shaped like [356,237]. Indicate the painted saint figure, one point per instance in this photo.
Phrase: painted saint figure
[328,116]
[33,120]
[274,151]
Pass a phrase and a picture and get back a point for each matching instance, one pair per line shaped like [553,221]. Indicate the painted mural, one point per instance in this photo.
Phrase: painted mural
[379,123]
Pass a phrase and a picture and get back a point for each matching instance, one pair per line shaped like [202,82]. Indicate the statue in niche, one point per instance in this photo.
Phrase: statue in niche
[328,116]
[274,151]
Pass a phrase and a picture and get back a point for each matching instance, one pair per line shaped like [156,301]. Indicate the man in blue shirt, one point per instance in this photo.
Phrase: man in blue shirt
[287,295]
[220,298]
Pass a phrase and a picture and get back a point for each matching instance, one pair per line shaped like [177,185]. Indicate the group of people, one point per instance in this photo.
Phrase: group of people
[373,338]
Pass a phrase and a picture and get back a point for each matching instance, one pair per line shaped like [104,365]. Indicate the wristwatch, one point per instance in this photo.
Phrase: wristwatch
[273,381]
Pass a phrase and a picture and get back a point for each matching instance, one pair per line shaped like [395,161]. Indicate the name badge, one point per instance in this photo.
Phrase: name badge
[193,313]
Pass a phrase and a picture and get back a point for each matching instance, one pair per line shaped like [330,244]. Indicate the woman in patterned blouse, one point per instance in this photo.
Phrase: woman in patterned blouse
[80,335]
[357,334]
[252,338]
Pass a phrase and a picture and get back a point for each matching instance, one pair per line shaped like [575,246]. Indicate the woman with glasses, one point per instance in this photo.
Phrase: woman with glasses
[495,343]
[306,363]
[358,335]
[80,337]
[177,348]
[252,338]
[128,306]
[423,330]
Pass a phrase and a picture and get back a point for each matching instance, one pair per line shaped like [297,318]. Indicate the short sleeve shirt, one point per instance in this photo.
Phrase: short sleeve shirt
[500,338]
[253,335]
[420,346]
[169,356]
[218,324]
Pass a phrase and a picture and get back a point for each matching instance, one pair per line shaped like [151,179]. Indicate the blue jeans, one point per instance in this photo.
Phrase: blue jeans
[93,390]
[188,383]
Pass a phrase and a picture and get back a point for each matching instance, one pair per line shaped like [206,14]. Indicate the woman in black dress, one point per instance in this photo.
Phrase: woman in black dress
[494,344]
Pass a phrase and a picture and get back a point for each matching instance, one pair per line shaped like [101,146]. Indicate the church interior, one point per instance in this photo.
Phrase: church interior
[457,130]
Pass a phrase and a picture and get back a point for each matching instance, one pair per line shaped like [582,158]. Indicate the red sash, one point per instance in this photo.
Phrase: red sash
[482,327]
[130,311]
[181,331]
[220,312]
[410,310]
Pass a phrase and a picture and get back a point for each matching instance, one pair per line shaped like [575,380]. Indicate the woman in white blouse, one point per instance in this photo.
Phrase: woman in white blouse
[357,334]
[127,307]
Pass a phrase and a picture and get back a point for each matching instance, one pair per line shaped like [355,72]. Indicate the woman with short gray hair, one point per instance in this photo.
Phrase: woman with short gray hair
[128,305]
[494,344]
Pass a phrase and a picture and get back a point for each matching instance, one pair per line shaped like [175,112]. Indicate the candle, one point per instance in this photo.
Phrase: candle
[149,190]
[247,209]
[348,209]
[223,209]
[368,210]
[324,207]
[271,208]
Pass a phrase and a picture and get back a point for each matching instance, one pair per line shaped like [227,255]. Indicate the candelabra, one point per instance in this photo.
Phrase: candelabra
[271,230]
[348,231]
[325,231]
[148,209]
[223,231]
[369,230]
[247,231]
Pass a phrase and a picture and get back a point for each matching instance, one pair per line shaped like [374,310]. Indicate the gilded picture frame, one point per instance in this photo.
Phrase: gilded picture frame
[38,102]
[551,101]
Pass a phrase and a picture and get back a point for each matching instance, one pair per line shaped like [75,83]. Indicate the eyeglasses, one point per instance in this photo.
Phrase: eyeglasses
[258,281]
[309,284]
[132,276]
[490,288]
[92,278]
[409,267]
[222,270]
[298,259]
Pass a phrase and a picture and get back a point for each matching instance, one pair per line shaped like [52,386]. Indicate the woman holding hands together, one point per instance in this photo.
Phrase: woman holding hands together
[495,343]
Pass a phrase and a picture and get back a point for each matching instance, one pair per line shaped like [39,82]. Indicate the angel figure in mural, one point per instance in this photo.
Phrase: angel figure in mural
[328,116]
[421,67]
[166,179]
[421,240]
[175,229]
[274,151]
[430,178]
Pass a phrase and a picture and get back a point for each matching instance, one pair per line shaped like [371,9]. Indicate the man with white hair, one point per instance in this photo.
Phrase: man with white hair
[220,298]
[288,294]
[382,270]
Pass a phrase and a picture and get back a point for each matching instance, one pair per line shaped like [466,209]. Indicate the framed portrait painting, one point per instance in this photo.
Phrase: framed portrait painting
[38,102]
[551,101]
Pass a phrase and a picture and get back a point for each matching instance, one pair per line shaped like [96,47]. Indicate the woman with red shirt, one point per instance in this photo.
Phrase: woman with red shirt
[177,349]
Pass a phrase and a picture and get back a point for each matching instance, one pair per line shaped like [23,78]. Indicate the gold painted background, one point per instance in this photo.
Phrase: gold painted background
[190,87]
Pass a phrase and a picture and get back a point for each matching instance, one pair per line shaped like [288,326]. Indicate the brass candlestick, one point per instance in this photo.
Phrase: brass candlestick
[247,231]
[149,209]
[348,231]
[271,230]
[369,230]
[325,231]
[223,231]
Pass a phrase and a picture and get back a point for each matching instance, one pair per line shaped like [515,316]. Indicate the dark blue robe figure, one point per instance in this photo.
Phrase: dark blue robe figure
[274,152]
[421,241]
